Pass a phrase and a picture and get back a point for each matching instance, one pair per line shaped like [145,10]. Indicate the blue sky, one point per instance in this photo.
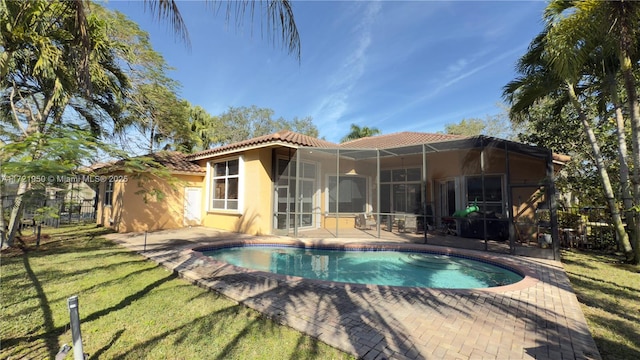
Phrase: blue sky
[394,65]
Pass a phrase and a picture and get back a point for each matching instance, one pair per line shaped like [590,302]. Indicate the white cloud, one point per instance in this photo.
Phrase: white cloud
[335,101]
[457,66]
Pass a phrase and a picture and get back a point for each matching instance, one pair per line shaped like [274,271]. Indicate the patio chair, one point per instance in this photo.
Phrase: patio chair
[364,222]
[410,224]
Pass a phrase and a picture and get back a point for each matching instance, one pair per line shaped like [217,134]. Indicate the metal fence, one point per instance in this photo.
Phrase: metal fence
[590,227]
[52,212]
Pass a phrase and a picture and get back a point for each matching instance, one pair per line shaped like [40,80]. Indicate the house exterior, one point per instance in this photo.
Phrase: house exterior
[148,201]
[291,184]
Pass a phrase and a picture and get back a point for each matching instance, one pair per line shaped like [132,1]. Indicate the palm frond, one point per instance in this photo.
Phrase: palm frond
[168,9]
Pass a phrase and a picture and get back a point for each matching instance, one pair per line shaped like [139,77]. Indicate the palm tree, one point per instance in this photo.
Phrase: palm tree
[611,29]
[562,62]
[279,15]
[358,132]
[40,85]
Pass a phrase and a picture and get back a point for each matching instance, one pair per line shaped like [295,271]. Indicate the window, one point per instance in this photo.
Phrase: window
[225,184]
[492,192]
[108,193]
[352,192]
[400,191]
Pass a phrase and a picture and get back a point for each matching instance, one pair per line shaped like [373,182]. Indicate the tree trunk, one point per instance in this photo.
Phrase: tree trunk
[16,211]
[625,187]
[622,236]
[634,112]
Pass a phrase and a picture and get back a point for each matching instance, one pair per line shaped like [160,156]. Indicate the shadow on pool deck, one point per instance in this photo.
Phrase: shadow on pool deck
[542,320]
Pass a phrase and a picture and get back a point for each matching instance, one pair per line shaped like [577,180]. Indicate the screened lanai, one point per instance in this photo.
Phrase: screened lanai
[479,192]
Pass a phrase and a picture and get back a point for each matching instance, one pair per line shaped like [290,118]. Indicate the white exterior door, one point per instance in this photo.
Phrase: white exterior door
[192,206]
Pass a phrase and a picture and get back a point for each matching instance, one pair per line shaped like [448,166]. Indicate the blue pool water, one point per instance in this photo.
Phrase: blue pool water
[391,268]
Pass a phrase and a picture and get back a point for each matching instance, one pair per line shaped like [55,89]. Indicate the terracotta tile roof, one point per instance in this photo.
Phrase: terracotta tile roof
[284,136]
[174,161]
[97,166]
[398,140]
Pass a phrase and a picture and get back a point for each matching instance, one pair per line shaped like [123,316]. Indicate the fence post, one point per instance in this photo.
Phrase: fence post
[78,351]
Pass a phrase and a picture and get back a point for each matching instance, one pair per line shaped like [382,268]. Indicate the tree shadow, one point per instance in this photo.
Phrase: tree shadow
[130,299]
[50,339]
[51,333]
[625,330]
[204,323]
[103,349]
[370,330]
[50,275]
[378,321]
[608,306]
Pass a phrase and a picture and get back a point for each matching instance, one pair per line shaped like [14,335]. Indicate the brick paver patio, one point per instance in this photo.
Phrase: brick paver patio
[539,318]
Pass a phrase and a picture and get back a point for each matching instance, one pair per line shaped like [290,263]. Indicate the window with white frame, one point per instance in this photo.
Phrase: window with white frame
[225,184]
[108,193]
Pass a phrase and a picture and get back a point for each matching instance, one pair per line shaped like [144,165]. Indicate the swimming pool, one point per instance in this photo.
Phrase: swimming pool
[379,267]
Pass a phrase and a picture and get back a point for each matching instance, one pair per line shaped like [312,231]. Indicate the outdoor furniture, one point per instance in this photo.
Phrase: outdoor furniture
[364,222]
[449,226]
[473,226]
[410,224]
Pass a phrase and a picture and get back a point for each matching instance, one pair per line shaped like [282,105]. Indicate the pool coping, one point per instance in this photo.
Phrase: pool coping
[530,277]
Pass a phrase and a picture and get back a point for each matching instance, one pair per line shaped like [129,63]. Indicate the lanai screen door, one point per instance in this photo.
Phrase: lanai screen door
[286,196]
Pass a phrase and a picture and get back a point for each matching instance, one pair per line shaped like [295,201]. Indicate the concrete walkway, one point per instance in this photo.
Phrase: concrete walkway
[539,318]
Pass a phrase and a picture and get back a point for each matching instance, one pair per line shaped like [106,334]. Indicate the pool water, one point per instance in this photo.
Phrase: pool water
[391,268]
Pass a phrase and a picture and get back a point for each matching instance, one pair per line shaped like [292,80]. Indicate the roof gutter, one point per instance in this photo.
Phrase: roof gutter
[245,148]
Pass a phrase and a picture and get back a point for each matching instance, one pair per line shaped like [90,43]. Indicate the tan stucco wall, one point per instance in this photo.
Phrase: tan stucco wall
[131,213]
[256,215]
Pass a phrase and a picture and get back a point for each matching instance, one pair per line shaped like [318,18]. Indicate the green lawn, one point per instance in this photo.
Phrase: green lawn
[609,292]
[129,307]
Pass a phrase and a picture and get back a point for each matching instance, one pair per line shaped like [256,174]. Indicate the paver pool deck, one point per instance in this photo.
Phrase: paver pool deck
[537,318]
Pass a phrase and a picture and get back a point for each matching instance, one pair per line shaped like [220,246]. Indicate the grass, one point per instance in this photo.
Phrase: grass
[609,293]
[129,308]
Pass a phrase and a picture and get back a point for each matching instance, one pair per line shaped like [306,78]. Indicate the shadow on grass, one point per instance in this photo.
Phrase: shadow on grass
[567,260]
[313,352]
[616,349]
[356,318]
[84,230]
[51,333]
[622,289]
[50,338]
[129,299]
[204,323]
[628,267]
[610,306]
[102,350]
